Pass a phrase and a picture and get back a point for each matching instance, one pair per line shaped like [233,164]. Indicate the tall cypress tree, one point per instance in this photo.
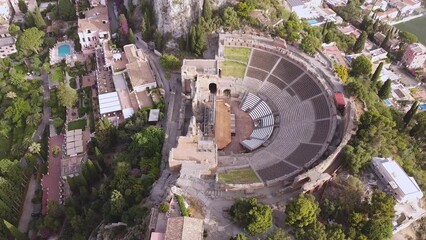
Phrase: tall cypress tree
[207,10]
[386,40]
[385,90]
[376,24]
[38,19]
[360,42]
[376,74]
[410,114]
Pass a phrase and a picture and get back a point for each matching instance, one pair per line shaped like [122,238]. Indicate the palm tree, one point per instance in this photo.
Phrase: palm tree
[35,148]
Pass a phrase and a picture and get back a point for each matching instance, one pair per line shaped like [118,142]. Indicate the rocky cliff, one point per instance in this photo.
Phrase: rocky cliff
[176,16]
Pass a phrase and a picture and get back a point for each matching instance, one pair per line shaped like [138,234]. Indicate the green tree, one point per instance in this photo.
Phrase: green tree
[207,10]
[22,6]
[14,29]
[132,39]
[342,72]
[244,9]
[67,95]
[313,231]
[170,62]
[278,234]
[419,129]
[386,40]
[410,114]
[254,217]
[66,10]
[14,231]
[329,37]
[230,18]
[335,232]
[376,74]
[385,90]
[38,19]
[240,236]
[310,44]
[355,157]
[106,135]
[30,40]
[302,211]
[360,42]
[361,66]
[117,203]
[408,37]
[150,140]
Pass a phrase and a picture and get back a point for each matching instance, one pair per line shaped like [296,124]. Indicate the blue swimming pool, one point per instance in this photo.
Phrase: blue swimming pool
[422,106]
[312,21]
[64,50]
[388,102]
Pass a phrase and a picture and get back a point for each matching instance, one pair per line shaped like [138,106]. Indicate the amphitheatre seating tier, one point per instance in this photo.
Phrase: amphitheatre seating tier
[249,102]
[306,88]
[260,110]
[321,107]
[287,71]
[299,126]
[262,133]
[276,171]
[252,144]
[252,84]
[256,73]
[267,121]
[303,154]
[277,82]
[263,60]
[291,92]
[321,131]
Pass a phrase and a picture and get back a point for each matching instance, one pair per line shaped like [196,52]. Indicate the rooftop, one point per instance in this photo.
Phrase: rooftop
[399,178]
[6,40]
[138,68]
[109,102]
[184,228]
[154,115]
[294,3]
[96,20]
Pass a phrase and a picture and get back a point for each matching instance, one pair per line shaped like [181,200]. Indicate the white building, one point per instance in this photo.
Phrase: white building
[5,11]
[94,29]
[7,45]
[382,5]
[403,187]
[295,5]
[378,54]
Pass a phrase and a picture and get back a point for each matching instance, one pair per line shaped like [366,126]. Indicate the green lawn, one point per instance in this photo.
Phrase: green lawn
[78,124]
[237,53]
[239,176]
[233,69]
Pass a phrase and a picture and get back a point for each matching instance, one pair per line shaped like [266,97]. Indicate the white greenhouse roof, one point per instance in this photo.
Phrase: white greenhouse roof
[109,102]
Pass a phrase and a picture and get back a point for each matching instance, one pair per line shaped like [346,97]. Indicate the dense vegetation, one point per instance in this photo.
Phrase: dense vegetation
[114,182]
[351,215]
[254,217]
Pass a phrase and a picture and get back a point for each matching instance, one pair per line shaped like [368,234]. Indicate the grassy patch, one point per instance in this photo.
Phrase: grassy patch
[237,53]
[239,176]
[233,69]
[78,124]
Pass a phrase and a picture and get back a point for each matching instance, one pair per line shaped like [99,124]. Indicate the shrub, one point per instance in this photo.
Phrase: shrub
[182,207]
[164,207]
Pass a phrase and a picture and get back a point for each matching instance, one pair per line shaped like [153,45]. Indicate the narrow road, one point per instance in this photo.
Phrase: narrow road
[173,100]
[27,208]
